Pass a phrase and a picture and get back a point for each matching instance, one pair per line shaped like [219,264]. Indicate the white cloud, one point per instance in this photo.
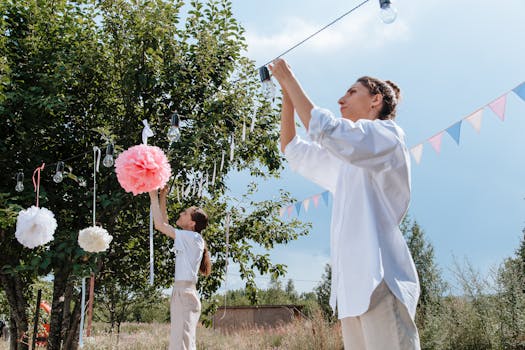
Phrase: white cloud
[351,33]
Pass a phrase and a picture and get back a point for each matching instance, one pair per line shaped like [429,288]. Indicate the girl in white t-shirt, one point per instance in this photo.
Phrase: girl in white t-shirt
[192,257]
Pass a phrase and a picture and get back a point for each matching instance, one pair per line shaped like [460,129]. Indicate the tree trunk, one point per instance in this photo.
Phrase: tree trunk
[72,330]
[57,309]
[18,325]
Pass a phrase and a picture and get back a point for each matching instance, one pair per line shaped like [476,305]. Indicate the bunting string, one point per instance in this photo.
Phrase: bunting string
[498,107]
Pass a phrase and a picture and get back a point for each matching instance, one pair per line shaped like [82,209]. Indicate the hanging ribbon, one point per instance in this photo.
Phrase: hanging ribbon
[232,147]
[96,166]
[214,171]
[227,229]
[146,132]
[36,183]
[222,161]
[243,138]
[82,312]
[151,269]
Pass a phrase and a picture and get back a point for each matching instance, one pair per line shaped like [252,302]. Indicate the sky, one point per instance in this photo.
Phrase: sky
[450,58]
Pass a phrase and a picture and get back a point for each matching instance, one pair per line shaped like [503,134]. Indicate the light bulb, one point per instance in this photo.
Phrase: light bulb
[268,87]
[174,131]
[19,182]
[59,174]
[388,13]
[108,159]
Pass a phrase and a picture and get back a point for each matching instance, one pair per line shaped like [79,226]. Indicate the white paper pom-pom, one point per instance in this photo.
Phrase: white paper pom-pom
[94,239]
[35,226]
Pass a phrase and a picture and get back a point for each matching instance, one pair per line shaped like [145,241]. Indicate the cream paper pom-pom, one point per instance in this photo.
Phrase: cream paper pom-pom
[35,226]
[94,239]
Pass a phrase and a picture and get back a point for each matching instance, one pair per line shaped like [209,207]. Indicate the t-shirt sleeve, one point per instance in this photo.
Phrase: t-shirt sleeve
[365,143]
[313,162]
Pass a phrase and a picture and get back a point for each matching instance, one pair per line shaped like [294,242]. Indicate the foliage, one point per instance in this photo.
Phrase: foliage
[322,292]
[79,74]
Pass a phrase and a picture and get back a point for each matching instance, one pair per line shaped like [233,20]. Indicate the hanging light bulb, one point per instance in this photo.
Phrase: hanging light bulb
[59,174]
[388,13]
[268,87]
[173,131]
[108,159]
[19,181]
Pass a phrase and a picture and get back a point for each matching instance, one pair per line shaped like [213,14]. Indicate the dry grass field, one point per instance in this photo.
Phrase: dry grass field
[300,335]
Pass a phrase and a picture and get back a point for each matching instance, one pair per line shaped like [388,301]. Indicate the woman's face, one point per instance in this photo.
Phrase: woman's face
[357,103]
[185,221]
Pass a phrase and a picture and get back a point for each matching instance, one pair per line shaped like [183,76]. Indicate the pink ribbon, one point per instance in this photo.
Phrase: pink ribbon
[36,183]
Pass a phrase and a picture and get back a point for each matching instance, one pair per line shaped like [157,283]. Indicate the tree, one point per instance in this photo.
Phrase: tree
[323,294]
[79,74]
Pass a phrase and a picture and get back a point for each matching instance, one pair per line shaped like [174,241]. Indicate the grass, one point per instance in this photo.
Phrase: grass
[299,335]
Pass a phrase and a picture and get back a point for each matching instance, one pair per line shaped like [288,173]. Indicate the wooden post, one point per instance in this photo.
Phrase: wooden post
[37,315]
[90,304]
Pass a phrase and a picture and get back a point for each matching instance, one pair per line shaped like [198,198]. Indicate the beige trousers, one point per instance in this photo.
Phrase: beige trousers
[185,309]
[386,325]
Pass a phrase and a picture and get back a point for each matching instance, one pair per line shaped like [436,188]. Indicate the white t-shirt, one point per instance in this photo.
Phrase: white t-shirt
[366,166]
[188,247]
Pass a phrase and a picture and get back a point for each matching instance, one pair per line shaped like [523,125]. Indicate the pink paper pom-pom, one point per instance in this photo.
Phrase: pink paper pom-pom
[142,168]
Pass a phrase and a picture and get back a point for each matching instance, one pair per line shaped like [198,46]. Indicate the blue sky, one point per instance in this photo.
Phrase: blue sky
[450,58]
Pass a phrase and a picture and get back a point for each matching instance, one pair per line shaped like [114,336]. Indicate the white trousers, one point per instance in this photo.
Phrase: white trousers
[386,325]
[185,310]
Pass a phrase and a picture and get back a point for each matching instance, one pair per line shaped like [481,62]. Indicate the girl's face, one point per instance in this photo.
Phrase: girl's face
[185,221]
[357,103]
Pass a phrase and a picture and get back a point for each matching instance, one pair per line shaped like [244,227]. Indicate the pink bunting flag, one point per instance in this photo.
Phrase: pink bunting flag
[290,210]
[306,204]
[417,152]
[315,198]
[475,119]
[498,106]
[435,141]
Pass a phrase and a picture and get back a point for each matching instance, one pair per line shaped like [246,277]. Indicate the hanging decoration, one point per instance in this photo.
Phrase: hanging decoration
[387,12]
[268,87]
[19,181]
[94,239]
[142,168]
[232,147]
[174,130]
[35,226]
[497,106]
[108,159]
[59,174]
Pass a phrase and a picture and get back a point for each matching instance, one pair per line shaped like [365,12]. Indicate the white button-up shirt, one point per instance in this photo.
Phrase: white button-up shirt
[366,166]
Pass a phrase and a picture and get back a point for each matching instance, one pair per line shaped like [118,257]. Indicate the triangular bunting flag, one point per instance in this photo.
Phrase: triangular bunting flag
[520,91]
[290,210]
[298,207]
[475,120]
[454,131]
[498,106]
[306,204]
[325,197]
[417,152]
[315,198]
[281,212]
[435,141]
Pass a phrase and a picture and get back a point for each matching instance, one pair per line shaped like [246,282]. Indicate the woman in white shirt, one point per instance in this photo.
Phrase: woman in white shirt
[363,161]
[192,257]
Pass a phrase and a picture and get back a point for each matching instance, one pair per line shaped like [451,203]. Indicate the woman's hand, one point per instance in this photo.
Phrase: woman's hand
[281,71]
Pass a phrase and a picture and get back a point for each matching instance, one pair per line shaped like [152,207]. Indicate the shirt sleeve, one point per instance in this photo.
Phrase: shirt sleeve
[313,162]
[365,143]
